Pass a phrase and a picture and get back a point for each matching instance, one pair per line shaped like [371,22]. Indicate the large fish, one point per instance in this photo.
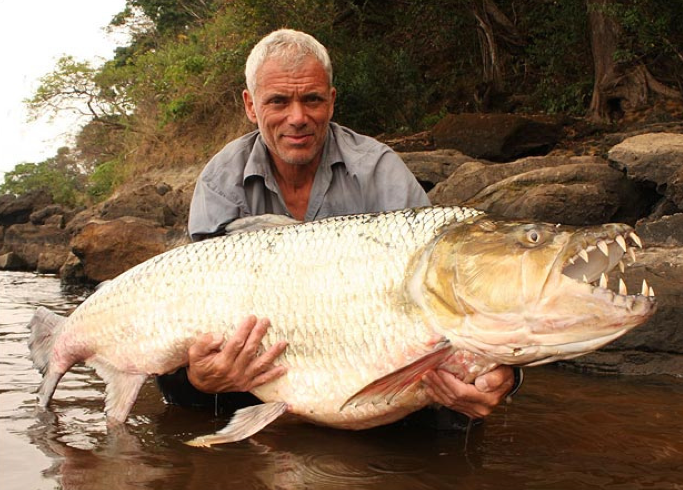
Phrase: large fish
[367,303]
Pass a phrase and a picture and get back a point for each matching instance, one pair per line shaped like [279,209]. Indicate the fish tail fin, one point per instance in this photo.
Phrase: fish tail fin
[246,422]
[45,327]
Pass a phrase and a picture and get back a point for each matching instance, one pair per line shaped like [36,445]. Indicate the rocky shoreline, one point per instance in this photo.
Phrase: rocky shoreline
[506,165]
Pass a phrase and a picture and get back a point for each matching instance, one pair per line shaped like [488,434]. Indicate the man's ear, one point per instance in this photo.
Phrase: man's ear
[249,106]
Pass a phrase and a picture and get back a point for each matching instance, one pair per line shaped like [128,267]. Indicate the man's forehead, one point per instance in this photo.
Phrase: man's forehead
[276,74]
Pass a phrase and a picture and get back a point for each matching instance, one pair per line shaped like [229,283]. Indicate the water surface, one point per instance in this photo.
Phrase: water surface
[564,430]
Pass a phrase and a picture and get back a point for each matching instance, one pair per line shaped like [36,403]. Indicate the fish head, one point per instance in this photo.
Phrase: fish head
[529,293]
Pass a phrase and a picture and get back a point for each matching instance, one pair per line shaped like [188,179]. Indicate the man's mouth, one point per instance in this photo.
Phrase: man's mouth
[297,139]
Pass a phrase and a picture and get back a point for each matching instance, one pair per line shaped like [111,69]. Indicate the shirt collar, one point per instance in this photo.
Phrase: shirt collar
[258,163]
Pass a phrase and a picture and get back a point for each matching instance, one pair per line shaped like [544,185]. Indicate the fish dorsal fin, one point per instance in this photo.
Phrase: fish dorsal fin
[386,388]
[260,222]
[244,423]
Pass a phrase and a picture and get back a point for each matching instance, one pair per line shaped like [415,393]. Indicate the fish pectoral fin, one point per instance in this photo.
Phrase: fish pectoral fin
[260,222]
[246,422]
[121,391]
[386,388]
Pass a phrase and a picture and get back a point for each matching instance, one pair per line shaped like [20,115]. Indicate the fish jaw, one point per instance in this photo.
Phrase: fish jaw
[527,294]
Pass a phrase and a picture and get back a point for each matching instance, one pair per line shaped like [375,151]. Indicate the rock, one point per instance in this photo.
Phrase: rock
[472,177]
[153,202]
[11,262]
[666,231]
[72,271]
[50,262]
[554,189]
[29,241]
[656,158]
[496,137]
[432,167]
[40,216]
[15,210]
[108,248]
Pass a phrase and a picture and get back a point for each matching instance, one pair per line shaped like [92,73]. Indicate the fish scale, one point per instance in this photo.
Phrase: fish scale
[357,298]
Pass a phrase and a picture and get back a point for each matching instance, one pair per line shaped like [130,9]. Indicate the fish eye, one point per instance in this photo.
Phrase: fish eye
[533,236]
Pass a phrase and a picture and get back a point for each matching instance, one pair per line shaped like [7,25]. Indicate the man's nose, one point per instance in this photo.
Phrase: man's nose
[297,113]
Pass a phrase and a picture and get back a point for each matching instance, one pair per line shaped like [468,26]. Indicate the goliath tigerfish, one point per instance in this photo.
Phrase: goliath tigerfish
[367,303]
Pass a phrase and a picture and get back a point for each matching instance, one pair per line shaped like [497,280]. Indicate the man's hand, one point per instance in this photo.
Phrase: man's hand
[475,400]
[235,366]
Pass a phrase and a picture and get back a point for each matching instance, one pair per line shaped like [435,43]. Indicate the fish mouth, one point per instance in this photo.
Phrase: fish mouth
[591,257]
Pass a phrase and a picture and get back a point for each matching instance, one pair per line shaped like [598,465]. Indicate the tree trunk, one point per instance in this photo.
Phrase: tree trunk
[497,36]
[618,87]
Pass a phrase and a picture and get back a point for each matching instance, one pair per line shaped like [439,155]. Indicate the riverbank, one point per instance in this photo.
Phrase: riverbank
[541,169]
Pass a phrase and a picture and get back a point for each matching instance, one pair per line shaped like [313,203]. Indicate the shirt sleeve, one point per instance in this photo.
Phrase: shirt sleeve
[210,212]
[393,186]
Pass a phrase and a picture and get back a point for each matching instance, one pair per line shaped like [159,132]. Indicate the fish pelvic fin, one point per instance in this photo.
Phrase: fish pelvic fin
[388,387]
[121,391]
[244,423]
[45,327]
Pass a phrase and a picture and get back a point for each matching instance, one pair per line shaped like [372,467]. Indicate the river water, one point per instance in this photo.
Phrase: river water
[564,430]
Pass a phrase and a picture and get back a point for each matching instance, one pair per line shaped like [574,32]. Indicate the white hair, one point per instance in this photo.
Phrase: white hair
[290,46]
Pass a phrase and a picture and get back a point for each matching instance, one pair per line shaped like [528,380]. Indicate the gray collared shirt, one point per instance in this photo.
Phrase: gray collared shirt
[357,174]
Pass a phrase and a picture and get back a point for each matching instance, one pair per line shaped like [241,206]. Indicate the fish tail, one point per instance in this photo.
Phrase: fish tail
[45,327]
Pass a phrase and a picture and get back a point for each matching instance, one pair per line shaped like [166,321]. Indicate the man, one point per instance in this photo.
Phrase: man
[299,164]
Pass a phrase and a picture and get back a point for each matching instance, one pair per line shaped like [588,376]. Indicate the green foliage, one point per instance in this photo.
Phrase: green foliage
[379,89]
[103,180]
[60,176]
[398,67]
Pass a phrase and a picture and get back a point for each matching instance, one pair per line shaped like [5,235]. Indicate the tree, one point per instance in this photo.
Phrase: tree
[74,87]
[61,176]
[623,80]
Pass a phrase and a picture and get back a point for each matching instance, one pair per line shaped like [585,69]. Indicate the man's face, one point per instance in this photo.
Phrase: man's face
[292,106]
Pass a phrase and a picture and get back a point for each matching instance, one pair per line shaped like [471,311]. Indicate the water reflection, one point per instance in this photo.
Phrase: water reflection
[564,430]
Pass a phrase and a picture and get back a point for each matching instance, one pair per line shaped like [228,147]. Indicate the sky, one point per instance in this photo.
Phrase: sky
[34,35]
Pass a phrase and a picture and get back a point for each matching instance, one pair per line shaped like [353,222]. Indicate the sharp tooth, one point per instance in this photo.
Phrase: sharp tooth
[571,260]
[636,239]
[632,254]
[622,287]
[621,242]
[651,292]
[603,248]
[622,267]
[645,289]
[584,255]
[603,281]
[584,278]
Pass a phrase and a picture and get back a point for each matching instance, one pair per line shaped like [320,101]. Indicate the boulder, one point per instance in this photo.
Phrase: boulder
[656,158]
[433,167]
[666,231]
[28,241]
[554,189]
[497,137]
[15,210]
[154,202]
[11,262]
[108,248]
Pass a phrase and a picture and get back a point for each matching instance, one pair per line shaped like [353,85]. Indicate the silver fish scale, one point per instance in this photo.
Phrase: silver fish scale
[334,289]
